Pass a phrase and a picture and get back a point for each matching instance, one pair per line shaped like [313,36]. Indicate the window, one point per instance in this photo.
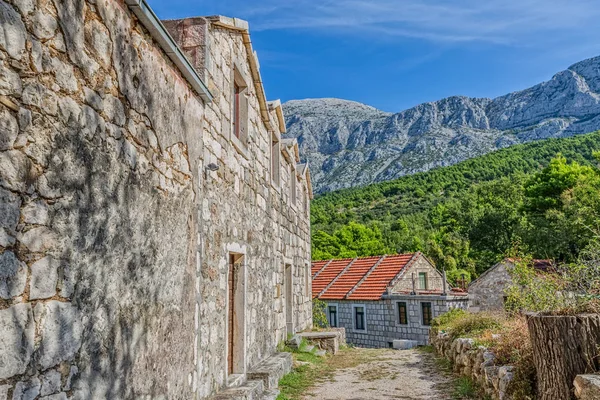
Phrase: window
[423,280]
[237,92]
[293,178]
[239,111]
[332,316]
[426,313]
[402,315]
[359,318]
[306,203]
[275,159]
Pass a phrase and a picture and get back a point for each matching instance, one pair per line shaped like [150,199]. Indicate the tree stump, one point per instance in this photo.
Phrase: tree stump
[563,347]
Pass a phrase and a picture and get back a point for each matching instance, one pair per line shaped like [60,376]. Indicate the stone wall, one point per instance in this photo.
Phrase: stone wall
[487,291]
[475,362]
[382,318]
[114,242]
[435,280]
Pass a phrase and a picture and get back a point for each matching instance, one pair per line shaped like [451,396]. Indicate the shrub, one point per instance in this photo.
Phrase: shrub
[319,315]
[459,323]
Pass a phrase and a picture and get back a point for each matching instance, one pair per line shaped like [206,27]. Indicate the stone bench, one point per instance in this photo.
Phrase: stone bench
[329,341]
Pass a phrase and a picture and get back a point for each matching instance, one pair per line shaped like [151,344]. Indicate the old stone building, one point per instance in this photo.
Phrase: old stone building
[487,292]
[379,300]
[154,226]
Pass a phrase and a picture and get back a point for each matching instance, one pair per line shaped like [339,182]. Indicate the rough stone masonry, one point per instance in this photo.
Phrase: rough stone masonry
[115,239]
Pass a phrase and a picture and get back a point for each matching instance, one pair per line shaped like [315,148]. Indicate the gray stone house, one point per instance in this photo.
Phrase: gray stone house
[487,292]
[154,226]
[384,298]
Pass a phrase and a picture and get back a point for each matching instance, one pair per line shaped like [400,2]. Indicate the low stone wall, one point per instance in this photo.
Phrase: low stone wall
[476,362]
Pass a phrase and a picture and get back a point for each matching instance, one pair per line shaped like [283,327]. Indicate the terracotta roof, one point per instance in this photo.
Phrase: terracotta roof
[375,284]
[316,267]
[345,282]
[358,279]
[328,274]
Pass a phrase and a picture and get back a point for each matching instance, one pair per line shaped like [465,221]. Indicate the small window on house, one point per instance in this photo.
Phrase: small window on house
[426,313]
[423,280]
[402,314]
[332,316]
[359,318]
[275,159]
[237,92]
[293,193]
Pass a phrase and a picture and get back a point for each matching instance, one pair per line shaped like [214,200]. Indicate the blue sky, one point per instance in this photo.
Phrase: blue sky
[395,54]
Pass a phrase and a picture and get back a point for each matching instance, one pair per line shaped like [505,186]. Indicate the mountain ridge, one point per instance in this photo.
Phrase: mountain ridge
[351,144]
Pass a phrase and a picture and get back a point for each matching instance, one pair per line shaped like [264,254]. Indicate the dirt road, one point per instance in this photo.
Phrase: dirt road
[385,374]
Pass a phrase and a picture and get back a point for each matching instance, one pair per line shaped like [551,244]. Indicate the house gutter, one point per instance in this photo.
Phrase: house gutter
[159,33]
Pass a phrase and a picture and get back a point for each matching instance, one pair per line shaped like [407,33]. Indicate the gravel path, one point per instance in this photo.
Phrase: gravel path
[386,374]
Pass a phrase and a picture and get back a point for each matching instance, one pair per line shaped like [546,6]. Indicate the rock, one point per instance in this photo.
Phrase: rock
[58,396]
[24,119]
[37,95]
[35,213]
[51,382]
[38,239]
[294,342]
[60,331]
[27,390]
[14,170]
[44,278]
[4,391]
[10,82]
[44,25]
[17,331]
[65,77]
[6,239]
[99,38]
[93,99]
[12,31]
[13,275]
[114,110]
[10,205]
[9,129]
[73,372]
[587,387]
[91,122]
[24,6]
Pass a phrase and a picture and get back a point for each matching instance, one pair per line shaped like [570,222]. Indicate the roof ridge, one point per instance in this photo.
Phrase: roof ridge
[322,268]
[336,277]
[400,273]
[347,296]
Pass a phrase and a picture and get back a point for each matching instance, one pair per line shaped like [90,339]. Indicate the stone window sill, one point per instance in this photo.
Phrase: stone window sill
[240,147]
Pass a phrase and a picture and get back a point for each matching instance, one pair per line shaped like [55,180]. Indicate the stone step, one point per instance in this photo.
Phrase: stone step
[271,370]
[251,390]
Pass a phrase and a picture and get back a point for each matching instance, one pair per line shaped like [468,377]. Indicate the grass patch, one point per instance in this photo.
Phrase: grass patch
[465,388]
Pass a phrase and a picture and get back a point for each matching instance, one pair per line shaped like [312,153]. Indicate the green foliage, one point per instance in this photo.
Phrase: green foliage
[465,217]
[461,324]
[465,388]
[319,315]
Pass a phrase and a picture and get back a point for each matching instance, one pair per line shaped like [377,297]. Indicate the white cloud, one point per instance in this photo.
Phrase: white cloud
[498,21]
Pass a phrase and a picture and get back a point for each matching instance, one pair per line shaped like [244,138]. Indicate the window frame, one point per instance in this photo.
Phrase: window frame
[425,281]
[337,319]
[239,127]
[293,185]
[355,315]
[398,315]
[430,306]
[275,160]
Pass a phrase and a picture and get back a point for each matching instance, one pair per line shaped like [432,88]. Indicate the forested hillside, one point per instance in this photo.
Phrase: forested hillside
[543,197]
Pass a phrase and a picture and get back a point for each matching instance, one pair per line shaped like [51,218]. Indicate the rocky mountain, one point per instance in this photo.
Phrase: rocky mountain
[351,144]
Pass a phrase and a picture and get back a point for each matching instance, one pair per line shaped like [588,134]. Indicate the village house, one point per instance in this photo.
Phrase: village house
[154,225]
[379,300]
[487,292]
